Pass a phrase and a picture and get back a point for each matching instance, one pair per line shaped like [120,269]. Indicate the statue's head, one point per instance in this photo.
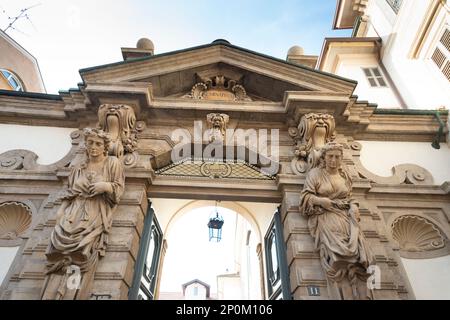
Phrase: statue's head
[97,142]
[331,156]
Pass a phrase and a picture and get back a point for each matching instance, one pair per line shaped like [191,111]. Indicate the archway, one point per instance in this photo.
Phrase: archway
[197,268]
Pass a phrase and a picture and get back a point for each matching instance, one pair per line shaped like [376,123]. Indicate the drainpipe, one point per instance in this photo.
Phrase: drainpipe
[437,139]
[437,114]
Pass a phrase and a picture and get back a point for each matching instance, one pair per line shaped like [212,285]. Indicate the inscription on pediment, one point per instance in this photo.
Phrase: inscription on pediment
[220,88]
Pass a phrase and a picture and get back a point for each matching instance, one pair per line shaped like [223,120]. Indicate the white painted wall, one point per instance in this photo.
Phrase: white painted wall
[247,263]
[420,83]
[350,66]
[49,143]
[379,157]
[7,255]
[228,288]
[429,278]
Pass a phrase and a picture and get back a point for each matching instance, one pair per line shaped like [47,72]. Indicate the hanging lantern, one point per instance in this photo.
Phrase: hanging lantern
[215,226]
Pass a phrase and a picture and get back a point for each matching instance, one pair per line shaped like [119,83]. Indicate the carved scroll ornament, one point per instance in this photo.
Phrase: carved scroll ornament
[218,88]
[401,174]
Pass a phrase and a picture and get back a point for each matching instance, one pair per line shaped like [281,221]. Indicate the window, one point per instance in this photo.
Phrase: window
[374,77]
[12,81]
[395,5]
[441,54]
[195,291]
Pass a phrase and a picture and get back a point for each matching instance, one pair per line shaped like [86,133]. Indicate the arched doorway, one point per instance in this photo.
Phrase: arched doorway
[180,225]
[227,269]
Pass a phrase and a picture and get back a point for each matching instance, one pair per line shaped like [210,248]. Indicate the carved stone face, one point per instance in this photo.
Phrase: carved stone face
[333,159]
[95,146]
[217,122]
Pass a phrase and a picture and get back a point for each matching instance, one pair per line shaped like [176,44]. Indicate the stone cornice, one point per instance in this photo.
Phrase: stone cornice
[138,69]
[354,118]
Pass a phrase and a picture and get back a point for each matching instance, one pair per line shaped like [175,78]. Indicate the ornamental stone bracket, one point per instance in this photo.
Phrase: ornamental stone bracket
[313,132]
[139,95]
[119,121]
[349,113]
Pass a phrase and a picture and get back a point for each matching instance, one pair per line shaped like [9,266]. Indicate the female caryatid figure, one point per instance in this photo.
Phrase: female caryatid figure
[85,217]
[333,220]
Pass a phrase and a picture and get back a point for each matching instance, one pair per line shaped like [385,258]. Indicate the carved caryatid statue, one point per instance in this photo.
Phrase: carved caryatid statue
[312,133]
[217,123]
[333,220]
[119,121]
[85,217]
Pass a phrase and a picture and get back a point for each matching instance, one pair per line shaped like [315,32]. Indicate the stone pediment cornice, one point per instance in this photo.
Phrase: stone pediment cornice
[139,69]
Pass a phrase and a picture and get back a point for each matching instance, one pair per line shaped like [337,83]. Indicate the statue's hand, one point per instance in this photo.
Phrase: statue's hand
[354,212]
[326,203]
[99,188]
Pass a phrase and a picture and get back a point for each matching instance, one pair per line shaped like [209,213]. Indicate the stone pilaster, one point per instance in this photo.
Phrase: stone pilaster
[114,274]
[305,271]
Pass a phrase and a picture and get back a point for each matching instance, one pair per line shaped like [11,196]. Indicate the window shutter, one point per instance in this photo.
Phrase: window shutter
[441,54]
[438,57]
[445,39]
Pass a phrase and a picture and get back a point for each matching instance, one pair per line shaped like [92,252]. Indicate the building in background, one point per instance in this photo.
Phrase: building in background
[196,290]
[19,70]
[399,51]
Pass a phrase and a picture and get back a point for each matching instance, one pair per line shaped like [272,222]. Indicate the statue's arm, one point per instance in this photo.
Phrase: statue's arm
[116,186]
[310,196]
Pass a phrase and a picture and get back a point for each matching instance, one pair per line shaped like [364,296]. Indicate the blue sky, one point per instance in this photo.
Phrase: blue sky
[69,35]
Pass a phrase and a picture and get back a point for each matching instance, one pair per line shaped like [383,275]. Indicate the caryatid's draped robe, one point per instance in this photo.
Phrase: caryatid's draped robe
[81,234]
[338,236]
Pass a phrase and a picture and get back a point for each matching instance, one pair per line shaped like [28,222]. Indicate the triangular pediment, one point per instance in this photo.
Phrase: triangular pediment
[247,75]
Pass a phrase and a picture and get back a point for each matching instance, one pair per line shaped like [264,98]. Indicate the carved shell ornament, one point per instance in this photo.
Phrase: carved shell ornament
[15,219]
[415,234]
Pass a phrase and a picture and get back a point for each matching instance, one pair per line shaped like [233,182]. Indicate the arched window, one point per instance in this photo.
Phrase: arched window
[10,81]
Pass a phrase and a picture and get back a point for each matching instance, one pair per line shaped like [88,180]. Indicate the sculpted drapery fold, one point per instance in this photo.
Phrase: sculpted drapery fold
[83,229]
[333,221]
[84,220]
